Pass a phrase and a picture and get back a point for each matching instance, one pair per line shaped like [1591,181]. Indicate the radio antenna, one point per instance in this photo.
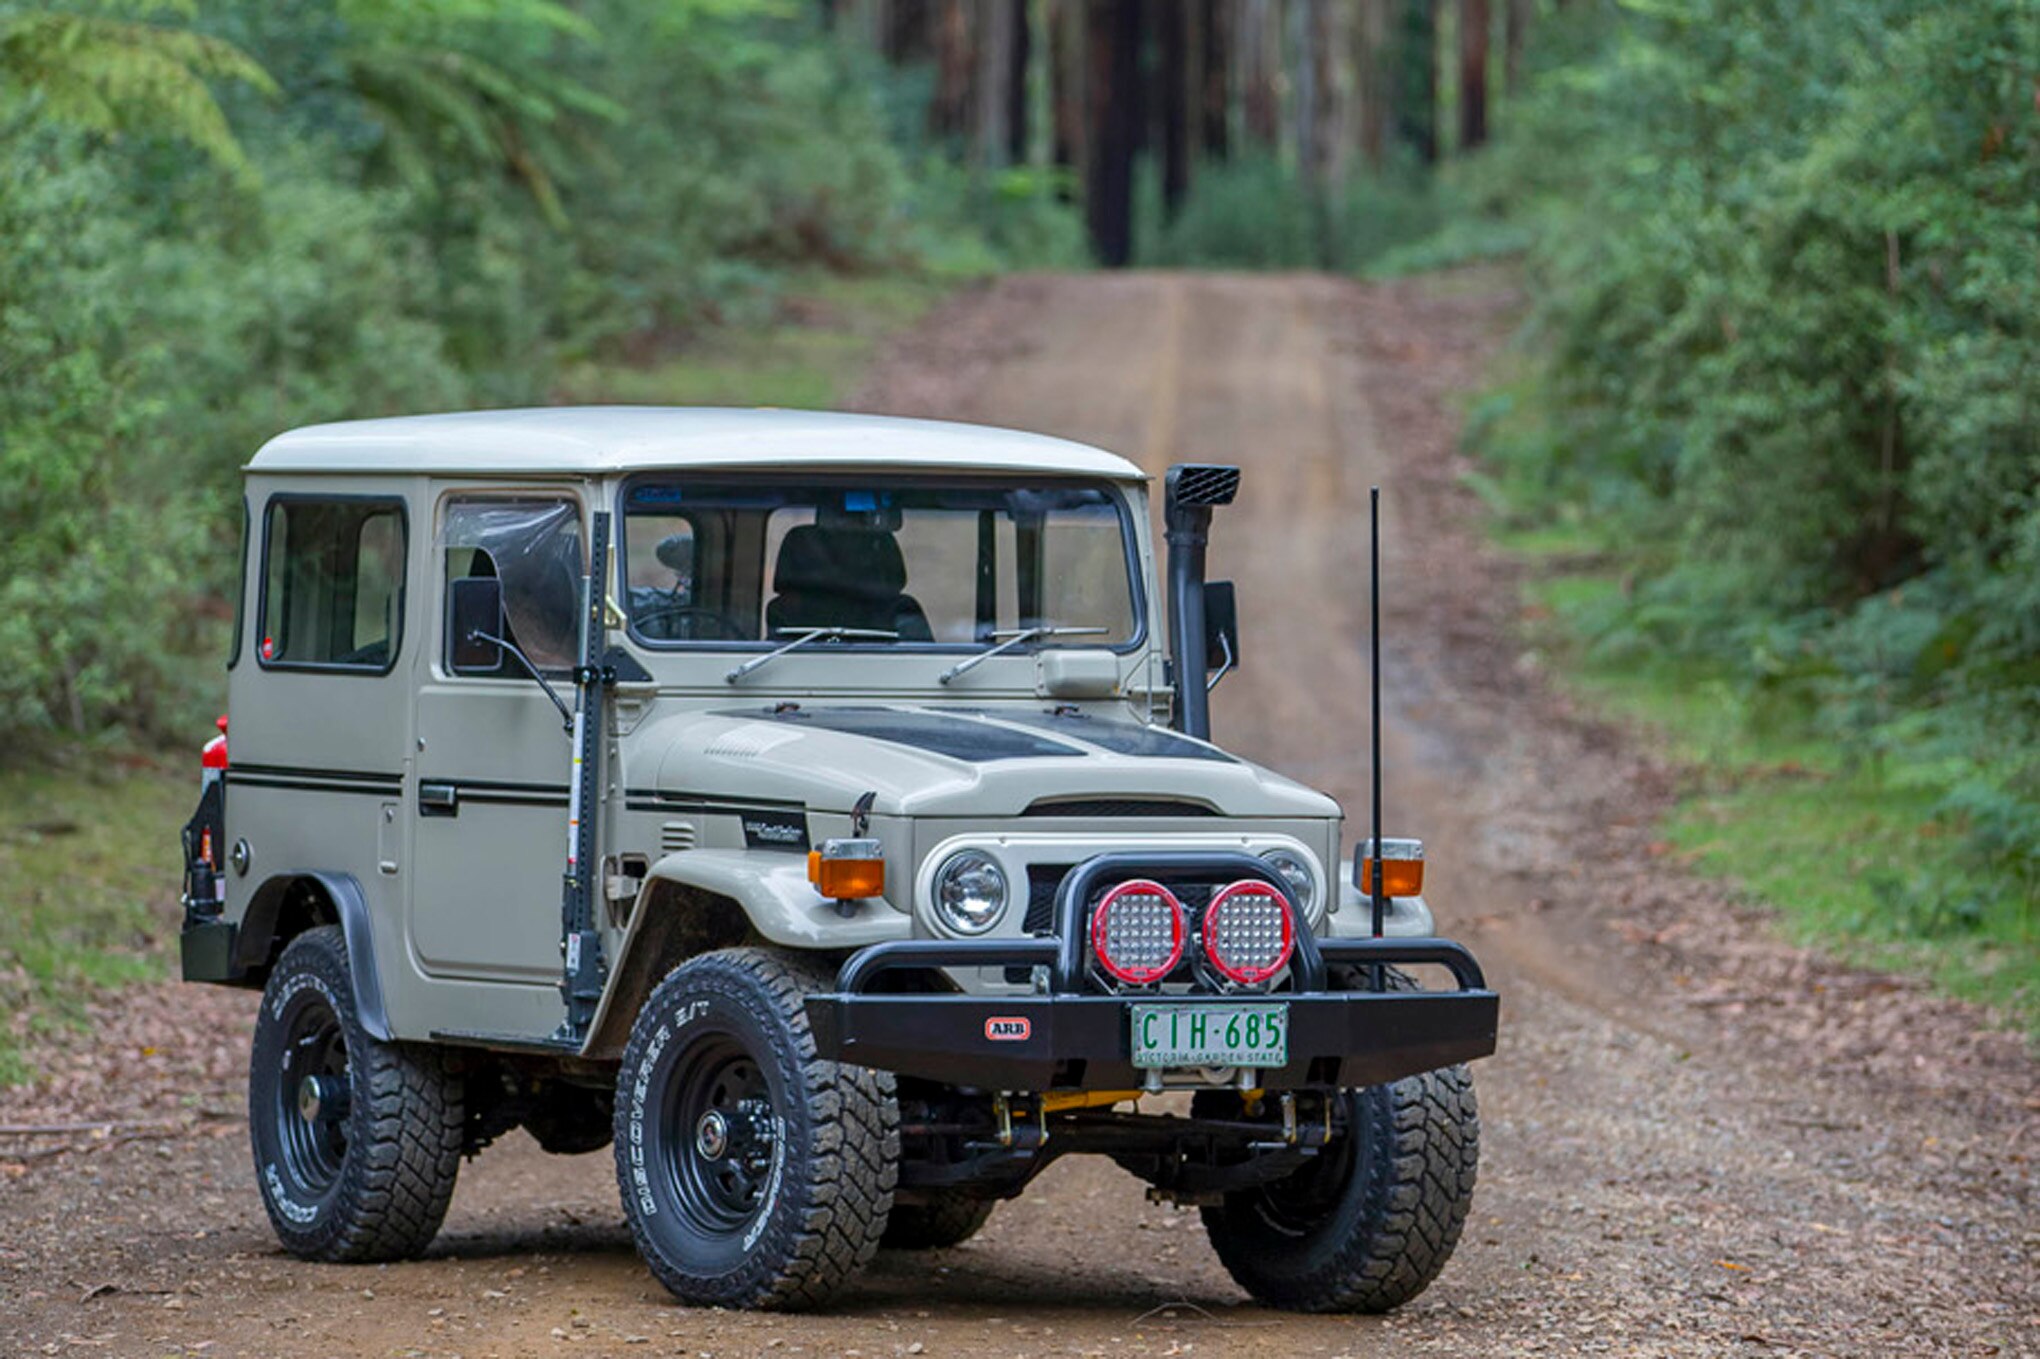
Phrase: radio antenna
[1374,685]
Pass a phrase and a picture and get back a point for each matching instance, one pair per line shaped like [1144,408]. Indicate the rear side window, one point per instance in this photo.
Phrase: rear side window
[332,583]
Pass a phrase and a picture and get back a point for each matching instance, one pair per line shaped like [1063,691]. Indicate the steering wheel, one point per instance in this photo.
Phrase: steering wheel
[726,627]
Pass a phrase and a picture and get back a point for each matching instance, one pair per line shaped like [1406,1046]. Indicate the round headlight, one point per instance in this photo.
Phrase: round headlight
[970,891]
[1295,871]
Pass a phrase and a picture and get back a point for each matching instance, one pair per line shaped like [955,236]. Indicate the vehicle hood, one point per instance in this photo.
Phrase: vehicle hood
[924,761]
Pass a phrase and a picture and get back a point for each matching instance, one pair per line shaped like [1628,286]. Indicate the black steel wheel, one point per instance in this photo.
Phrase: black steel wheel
[753,1174]
[356,1142]
[1368,1223]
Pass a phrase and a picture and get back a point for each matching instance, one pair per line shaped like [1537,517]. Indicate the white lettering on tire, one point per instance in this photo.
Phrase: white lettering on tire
[285,1204]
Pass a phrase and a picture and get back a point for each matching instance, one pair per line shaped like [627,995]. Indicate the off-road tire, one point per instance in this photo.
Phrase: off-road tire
[944,1218]
[372,1183]
[1369,1224]
[1393,1195]
[785,1205]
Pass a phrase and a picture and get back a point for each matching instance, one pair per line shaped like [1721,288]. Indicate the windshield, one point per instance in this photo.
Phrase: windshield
[963,564]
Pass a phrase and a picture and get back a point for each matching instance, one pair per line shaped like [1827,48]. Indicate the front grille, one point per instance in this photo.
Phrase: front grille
[1107,807]
[1042,880]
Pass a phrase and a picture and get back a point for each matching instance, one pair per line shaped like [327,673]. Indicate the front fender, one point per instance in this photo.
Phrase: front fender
[775,895]
[1406,917]
[701,899]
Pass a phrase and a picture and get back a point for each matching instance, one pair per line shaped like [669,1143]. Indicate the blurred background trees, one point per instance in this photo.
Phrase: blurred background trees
[1783,365]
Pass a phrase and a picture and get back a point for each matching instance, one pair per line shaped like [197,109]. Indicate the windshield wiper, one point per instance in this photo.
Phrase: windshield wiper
[801,637]
[1014,637]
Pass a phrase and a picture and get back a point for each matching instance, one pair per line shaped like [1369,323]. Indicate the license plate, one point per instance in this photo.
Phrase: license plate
[1210,1035]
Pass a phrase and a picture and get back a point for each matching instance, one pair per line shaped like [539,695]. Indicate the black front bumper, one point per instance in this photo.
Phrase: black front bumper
[1074,1038]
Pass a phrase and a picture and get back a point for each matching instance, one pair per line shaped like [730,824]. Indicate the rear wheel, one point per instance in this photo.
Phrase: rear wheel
[357,1142]
[943,1218]
[753,1174]
[1368,1223]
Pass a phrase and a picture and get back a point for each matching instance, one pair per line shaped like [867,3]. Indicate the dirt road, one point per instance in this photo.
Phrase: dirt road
[1697,1141]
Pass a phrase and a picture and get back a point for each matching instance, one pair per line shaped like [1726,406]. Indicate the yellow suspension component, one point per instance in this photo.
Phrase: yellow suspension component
[1085,1099]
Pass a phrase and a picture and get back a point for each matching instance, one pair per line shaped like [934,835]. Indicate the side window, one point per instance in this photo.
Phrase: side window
[332,583]
[534,547]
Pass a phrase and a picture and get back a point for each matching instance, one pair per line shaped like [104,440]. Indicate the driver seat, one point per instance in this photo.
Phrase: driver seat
[844,578]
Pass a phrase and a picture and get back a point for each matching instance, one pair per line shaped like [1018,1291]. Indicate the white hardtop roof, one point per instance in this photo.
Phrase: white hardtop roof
[594,440]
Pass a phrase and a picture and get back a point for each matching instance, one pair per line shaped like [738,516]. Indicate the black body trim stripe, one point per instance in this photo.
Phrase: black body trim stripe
[306,772]
[654,800]
[500,793]
[393,789]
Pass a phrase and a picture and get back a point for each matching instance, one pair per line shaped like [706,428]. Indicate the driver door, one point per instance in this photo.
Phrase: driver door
[490,812]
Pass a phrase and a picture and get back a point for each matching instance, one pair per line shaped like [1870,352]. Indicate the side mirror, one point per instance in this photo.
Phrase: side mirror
[475,608]
[1221,627]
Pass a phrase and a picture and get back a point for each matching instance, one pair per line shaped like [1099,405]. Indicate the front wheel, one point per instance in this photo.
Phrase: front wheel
[753,1174]
[357,1142]
[1369,1223]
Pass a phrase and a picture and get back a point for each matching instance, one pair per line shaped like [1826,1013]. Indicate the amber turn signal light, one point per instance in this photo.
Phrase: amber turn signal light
[1402,868]
[848,870]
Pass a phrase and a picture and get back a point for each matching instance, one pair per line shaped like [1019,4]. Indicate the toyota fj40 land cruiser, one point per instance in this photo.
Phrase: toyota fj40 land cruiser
[896,860]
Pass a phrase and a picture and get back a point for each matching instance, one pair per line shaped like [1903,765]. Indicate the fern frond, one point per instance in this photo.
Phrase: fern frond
[116,75]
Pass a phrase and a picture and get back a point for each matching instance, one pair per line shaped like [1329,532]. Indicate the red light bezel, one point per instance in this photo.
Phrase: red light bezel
[1138,976]
[1256,975]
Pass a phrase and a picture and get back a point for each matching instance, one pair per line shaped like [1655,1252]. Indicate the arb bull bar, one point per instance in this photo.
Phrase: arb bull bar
[1075,1036]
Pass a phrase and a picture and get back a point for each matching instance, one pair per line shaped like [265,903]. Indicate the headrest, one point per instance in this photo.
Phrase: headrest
[676,552]
[853,563]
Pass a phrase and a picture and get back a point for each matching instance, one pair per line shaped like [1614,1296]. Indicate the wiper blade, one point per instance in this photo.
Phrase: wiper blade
[1014,637]
[801,638]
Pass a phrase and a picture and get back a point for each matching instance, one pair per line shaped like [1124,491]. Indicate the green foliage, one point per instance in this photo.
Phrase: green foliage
[222,222]
[102,920]
[1255,212]
[101,70]
[1788,376]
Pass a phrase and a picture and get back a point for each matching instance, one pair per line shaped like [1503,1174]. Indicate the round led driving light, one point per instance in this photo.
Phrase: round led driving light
[1248,934]
[970,891]
[1295,871]
[1137,932]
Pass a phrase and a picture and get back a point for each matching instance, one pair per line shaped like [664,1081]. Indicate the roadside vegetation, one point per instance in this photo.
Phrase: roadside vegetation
[226,219]
[1774,439]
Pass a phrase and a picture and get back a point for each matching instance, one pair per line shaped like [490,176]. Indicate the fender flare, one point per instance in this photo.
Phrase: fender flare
[255,938]
[697,900]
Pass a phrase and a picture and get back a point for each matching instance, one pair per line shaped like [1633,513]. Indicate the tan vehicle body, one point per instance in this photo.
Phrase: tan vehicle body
[817,811]
[462,911]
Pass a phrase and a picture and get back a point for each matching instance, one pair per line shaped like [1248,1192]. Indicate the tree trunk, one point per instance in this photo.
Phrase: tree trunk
[1019,70]
[1416,108]
[1173,20]
[1113,35]
[1474,24]
[1376,93]
[1068,25]
[1213,25]
[909,33]
[1257,52]
[949,111]
[992,115]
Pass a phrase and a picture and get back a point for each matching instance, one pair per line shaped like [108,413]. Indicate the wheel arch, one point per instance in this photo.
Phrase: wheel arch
[698,900]
[289,903]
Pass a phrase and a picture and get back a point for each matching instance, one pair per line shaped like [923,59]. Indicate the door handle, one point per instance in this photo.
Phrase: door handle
[438,799]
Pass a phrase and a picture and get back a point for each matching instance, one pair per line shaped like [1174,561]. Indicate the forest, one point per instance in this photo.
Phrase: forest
[1778,376]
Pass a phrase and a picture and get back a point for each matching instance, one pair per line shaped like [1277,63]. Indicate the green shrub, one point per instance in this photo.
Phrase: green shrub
[224,223]
[1784,285]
